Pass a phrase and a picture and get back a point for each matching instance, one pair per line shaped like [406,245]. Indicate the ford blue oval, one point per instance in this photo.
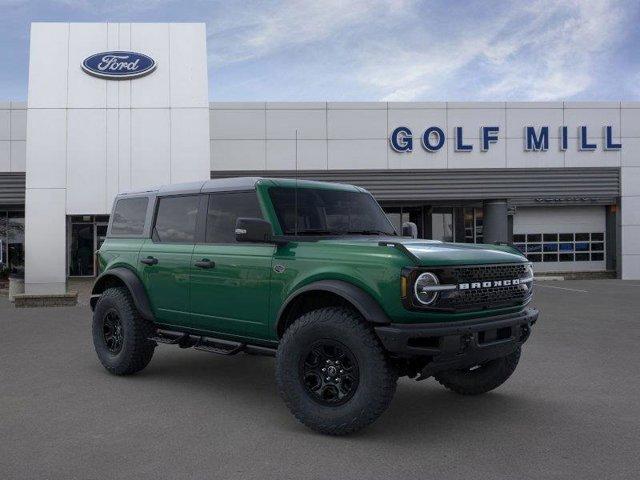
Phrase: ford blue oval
[118,65]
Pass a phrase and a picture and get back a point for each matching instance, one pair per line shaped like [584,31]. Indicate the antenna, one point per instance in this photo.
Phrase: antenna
[295,224]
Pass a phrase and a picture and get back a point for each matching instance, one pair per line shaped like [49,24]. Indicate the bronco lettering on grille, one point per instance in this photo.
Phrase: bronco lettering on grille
[488,284]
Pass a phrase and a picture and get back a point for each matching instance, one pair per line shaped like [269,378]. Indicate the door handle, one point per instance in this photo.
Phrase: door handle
[149,260]
[205,263]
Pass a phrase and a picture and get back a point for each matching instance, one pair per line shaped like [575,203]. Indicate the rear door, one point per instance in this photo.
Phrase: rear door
[230,281]
[165,259]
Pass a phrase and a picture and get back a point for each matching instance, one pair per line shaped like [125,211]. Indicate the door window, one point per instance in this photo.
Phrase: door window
[176,219]
[224,209]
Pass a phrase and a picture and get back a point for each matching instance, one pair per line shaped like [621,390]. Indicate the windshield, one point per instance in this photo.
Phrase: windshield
[328,212]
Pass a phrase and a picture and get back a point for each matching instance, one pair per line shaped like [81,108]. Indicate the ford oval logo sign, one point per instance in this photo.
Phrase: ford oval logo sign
[118,65]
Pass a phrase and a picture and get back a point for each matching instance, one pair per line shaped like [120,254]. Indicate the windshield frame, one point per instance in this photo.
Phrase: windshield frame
[322,233]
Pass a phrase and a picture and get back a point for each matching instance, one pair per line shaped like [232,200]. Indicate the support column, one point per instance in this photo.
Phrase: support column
[45,241]
[495,222]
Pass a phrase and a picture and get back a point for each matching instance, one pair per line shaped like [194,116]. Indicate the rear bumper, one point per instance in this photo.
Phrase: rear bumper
[460,344]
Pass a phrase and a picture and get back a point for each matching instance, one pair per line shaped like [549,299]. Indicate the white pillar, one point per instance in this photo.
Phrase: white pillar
[630,191]
[89,138]
[630,223]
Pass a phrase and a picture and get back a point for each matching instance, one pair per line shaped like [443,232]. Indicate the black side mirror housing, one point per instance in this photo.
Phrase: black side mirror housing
[409,229]
[254,230]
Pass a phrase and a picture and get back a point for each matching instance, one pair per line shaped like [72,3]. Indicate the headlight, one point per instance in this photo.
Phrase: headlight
[528,277]
[529,272]
[424,290]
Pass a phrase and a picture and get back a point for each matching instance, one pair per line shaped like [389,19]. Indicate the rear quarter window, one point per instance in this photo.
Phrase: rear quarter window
[129,216]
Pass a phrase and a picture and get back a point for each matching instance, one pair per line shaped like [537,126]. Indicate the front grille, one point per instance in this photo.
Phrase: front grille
[486,297]
[479,273]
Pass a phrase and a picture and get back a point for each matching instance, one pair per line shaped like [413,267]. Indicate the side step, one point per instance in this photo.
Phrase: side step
[219,346]
[208,344]
[169,338]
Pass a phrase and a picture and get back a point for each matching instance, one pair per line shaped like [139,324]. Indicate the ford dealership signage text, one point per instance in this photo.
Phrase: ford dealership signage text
[118,65]
[536,139]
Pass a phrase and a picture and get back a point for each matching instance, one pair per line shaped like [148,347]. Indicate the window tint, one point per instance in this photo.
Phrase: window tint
[176,219]
[129,215]
[326,211]
[224,210]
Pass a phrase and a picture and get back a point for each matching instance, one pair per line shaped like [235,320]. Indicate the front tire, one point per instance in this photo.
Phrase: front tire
[120,334]
[332,372]
[482,378]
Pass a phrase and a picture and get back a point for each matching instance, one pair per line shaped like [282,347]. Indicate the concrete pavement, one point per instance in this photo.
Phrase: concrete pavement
[571,410]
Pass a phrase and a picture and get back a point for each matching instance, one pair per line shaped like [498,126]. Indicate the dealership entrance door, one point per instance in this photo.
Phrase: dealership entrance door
[85,235]
[440,222]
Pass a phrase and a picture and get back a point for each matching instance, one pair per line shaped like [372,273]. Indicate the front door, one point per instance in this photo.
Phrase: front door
[230,281]
[81,263]
[165,259]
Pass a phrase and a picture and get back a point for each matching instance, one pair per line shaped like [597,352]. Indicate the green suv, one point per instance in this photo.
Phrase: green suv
[314,274]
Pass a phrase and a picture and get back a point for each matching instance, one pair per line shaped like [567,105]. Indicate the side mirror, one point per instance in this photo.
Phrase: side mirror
[409,229]
[255,230]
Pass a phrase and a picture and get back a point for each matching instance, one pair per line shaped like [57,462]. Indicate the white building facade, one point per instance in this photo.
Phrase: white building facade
[561,180]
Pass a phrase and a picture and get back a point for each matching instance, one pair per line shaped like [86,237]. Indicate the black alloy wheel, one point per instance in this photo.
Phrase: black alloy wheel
[329,372]
[112,331]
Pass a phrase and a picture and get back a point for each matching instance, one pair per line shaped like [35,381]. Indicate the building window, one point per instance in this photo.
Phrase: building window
[399,215]
[85,236]
[442,225]
[11,243]
[473,225]
[561,247]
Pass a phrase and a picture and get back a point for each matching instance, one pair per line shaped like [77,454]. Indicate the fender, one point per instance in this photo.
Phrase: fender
[133,284]
[366,305]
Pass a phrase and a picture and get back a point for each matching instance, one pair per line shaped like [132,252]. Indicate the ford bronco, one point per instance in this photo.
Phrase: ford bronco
[314,274]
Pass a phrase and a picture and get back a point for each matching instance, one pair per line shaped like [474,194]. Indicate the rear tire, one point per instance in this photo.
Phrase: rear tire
[481,379]
[120,334]
[357,383]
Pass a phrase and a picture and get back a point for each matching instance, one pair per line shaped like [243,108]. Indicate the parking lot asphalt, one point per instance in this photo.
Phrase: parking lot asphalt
[571,410]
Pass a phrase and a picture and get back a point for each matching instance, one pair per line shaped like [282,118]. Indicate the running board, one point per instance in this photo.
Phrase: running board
[209,344]
[219,346]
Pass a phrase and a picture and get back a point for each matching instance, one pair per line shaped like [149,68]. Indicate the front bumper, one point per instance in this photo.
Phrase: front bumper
[461,344]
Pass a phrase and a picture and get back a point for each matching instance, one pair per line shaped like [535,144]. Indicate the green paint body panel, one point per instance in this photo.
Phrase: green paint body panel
[241,297]
[168,283]
[232,297]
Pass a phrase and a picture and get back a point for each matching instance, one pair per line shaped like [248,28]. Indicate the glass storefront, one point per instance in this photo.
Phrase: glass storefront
[11,242]
[446,223]
[473,220]
[85,234]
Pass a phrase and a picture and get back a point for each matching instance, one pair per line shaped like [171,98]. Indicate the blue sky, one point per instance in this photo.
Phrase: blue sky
[361,50]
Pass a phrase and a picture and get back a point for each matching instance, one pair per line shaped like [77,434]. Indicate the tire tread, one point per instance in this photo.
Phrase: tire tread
[139,348]
[360,329]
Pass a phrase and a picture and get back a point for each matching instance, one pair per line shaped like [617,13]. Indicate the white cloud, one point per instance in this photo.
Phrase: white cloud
[257,30]
[547,50]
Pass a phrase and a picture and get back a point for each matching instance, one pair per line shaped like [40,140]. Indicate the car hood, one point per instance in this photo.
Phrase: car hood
[433,252]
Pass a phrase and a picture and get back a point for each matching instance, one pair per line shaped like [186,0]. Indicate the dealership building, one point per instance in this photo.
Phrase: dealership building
[114,107]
